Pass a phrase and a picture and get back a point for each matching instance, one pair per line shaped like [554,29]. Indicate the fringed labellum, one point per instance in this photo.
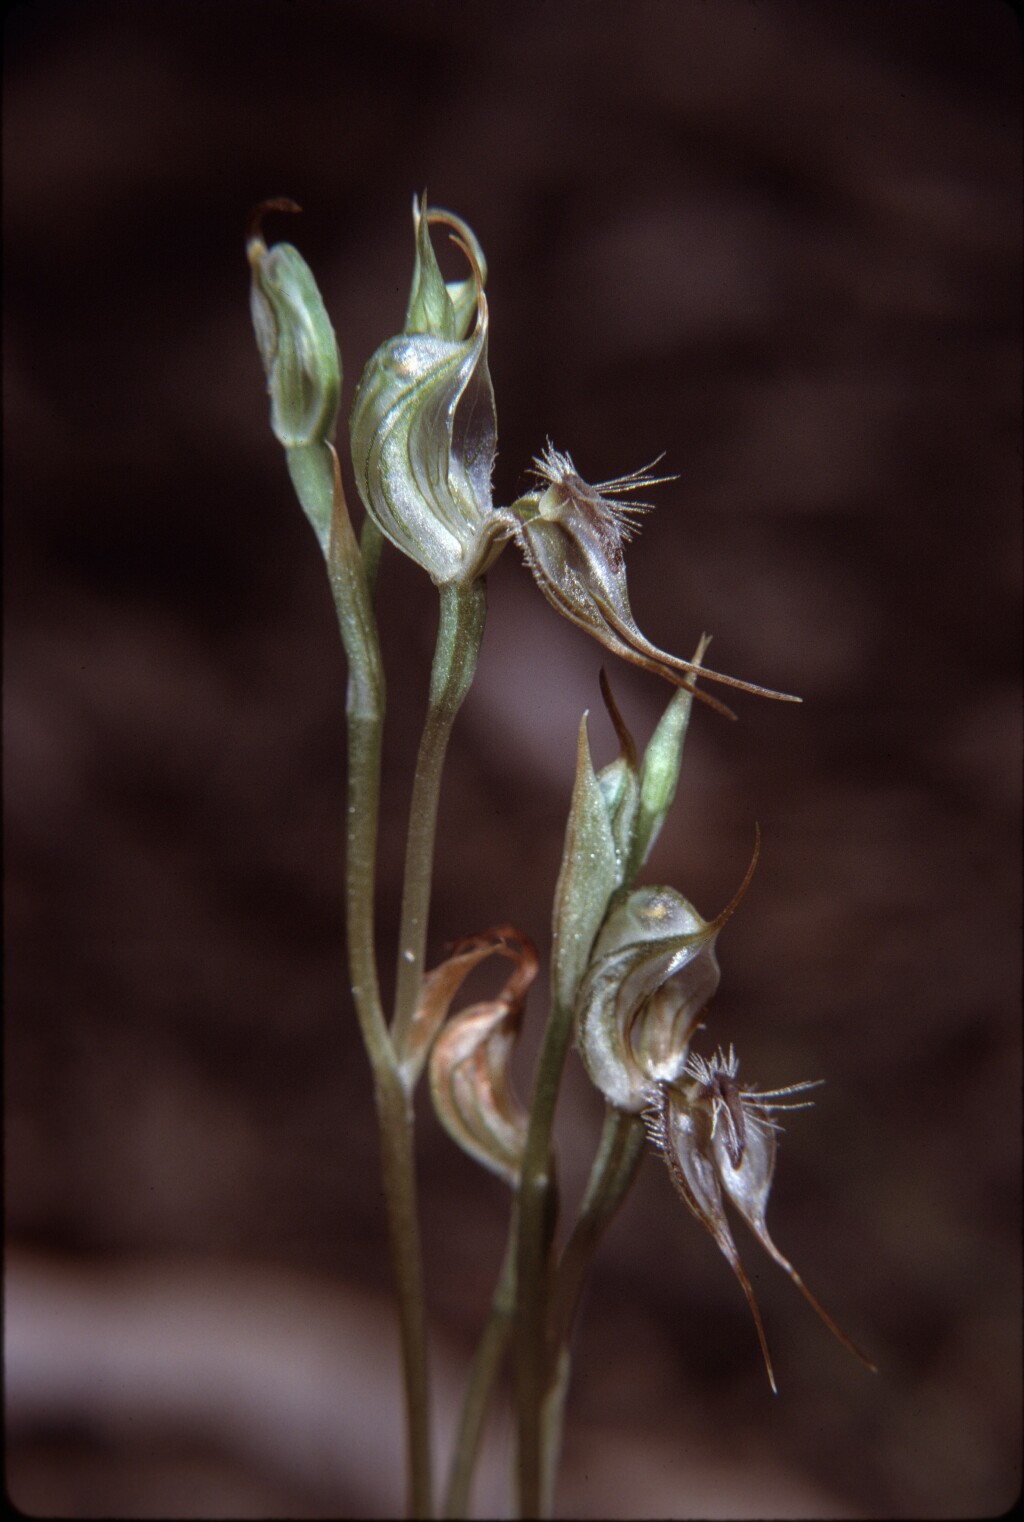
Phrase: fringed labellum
[717,1135]
[572,536]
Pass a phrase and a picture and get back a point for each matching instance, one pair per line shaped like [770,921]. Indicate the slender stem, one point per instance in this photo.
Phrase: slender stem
[615,1166]
[546,1311]
[483,1374]
[537,1218]
[460,631]
[552,1414]
[398,1171]
[619,1154]
[318,483]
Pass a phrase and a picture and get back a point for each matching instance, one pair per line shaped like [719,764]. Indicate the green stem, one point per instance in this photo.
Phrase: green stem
[546,1308]
[398,1171]
[537,1219]
[552,1415]
[483,1374]
[318,484]
[460,631]
[619,1155]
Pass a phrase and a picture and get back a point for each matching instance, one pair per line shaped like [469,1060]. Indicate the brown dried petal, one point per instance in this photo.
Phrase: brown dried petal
[443,982]
[470,1082]
[471,1086]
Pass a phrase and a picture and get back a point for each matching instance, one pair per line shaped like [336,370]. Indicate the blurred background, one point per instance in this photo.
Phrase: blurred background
[780,242]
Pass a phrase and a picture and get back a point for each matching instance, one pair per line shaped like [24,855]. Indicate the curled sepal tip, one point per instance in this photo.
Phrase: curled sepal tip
[438,989]
[718,1136]
[470,1079]
[444,308]
[572,536]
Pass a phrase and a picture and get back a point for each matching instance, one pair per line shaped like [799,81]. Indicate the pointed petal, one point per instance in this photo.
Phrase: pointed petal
[748,1187]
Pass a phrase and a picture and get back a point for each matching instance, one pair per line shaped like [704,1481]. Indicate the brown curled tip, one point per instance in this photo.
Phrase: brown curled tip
[277,203]
[509,942]
[733,905]
[626,741]
[475,271]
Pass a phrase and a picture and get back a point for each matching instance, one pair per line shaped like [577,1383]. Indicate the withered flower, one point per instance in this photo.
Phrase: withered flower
[572,536]
[470,1080]
[716,1134]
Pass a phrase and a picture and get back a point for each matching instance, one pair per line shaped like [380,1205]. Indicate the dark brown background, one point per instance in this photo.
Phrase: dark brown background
[780,242]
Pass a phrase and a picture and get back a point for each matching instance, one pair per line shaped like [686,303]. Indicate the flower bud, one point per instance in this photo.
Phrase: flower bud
[295,339]
[589,874]
[717,1135]
[638,793]
[470,1080]
[572,538]
[614,818]
[423,426]
[619,782]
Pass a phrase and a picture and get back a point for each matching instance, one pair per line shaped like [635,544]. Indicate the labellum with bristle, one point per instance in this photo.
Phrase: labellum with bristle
[572,536]
[715,1136]
[470,1081]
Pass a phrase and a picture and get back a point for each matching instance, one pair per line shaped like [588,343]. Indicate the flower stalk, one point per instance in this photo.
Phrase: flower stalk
[459,636]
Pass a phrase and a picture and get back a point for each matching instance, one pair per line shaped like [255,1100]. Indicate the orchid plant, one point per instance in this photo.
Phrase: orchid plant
[633,968]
